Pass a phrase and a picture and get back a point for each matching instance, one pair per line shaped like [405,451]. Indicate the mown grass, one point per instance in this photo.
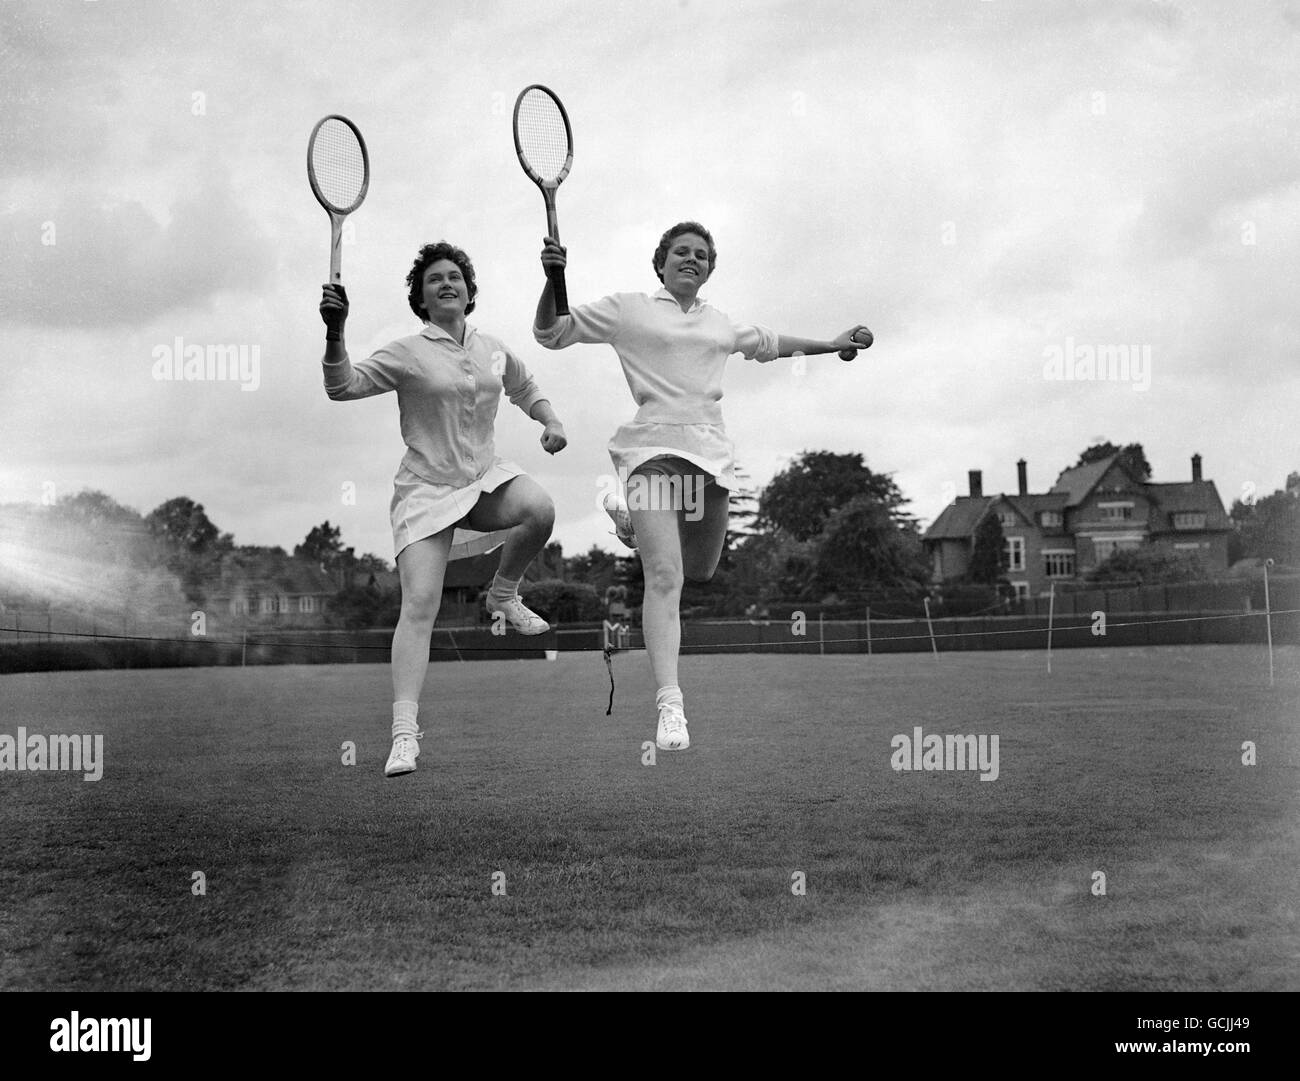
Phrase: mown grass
[620,875]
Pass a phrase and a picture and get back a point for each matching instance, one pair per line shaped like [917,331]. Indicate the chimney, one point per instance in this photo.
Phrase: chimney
[976,483]
[1023,472]
[1196,467]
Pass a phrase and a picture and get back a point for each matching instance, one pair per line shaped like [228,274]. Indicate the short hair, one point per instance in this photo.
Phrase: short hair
[430,254]
[680,229]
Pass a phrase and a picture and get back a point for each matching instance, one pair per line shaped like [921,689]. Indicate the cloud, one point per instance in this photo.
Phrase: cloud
[84,261]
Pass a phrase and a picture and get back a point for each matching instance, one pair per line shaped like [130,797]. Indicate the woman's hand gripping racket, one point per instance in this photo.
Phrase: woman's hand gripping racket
[860,338]
[338,169]
[544,143]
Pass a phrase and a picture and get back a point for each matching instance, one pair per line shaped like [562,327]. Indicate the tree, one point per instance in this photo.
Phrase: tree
[373,564]
[1269,528]
[596,567]
[1148,565]
[184,524]
[801,498]
[1132,456]
[989,558]
[548,564]
[364,606]
[563,602]
[92,509]
[863,547]
[323,544]
[742,510]
[772,566]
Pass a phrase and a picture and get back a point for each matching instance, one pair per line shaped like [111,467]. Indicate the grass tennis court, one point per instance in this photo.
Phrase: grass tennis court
[678,875]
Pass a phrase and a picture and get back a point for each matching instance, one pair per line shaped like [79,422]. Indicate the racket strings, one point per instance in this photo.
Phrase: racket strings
[338,165]
[543,137]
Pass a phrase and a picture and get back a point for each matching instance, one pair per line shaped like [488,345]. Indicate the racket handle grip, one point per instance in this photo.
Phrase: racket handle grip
[560,291]
[336,249]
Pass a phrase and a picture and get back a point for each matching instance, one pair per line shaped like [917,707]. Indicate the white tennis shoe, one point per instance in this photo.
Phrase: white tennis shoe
[616,508]
[672,734]
[519,615]
[401,759]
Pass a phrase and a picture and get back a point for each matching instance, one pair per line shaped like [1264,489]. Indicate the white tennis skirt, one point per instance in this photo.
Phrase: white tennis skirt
[706,446]
[421,508]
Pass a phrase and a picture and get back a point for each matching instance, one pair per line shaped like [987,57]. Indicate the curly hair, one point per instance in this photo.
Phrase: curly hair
[429,255]
[680,229]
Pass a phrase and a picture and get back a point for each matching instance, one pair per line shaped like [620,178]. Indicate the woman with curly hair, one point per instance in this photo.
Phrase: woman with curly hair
[453,497]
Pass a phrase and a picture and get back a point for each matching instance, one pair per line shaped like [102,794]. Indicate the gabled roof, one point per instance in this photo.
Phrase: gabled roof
[1031,505]
[958,521]
[1076,483]
[1004,498]
[270,572]
[1191,496]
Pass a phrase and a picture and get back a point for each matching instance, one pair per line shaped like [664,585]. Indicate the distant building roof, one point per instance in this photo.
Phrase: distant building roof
[1076,483]
[1191,496]
[270,572]
[958,521]
[1030,505]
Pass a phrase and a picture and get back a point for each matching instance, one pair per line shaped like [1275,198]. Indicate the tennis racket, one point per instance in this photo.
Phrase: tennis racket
[863,335]
[544,143]
[338,169]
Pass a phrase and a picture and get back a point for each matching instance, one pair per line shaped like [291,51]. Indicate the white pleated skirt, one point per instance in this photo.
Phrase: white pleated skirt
[421,508]
[706,446]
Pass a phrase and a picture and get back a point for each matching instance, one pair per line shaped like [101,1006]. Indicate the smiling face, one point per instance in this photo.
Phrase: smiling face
[686,264]
[444,292]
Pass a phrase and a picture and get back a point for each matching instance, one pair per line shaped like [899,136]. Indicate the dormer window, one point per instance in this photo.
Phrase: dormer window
[1189,520]
[1050,518]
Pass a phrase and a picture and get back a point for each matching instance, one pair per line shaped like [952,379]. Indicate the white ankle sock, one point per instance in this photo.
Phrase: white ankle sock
[669,696]
[404,714]
[502,589]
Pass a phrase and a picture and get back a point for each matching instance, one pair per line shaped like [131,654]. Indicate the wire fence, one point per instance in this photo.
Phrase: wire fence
[27,648]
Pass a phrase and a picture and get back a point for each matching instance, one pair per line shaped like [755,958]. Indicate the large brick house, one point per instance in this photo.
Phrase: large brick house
[1091,512]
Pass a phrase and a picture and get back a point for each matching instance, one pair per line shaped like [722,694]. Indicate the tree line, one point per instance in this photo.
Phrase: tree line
[827,529]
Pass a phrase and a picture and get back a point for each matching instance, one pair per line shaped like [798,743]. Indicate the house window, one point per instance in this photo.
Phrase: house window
[1189,547]
[1116,512]
[1105,547]
[1058,564]
[239,606]
[1022,590]
[306,604]
[1189,520]
[267,606]
[1006,519]
[284,605]
[1015,553]
[1051,518]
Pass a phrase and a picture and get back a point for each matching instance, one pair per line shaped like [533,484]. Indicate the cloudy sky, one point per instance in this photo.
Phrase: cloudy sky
[989,184]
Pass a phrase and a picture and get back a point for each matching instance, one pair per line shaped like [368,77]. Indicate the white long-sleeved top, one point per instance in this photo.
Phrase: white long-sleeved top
[447,394]
[673,360]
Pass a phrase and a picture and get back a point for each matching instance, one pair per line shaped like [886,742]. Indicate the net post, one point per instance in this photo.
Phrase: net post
[1268,623]
[821,633]
[1051,612]
[868,630]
